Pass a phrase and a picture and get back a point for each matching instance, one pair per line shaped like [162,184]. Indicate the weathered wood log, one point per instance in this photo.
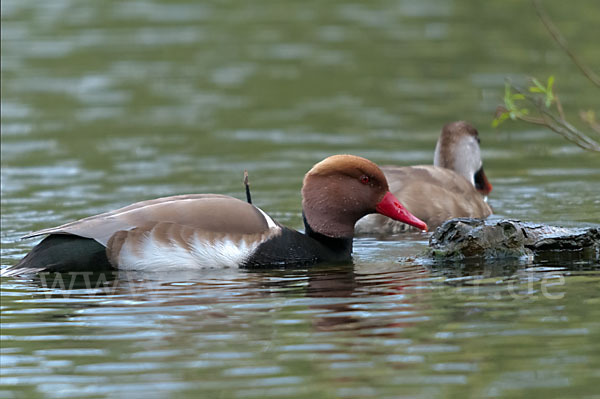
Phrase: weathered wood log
[465,238]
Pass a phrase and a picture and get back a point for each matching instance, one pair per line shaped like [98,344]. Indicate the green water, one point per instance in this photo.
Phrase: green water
[105,103]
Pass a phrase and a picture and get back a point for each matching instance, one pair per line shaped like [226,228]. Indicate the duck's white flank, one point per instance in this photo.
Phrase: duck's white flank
[151,254]
[154,255]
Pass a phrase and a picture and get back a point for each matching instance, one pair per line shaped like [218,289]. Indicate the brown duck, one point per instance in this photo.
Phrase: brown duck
[454,186]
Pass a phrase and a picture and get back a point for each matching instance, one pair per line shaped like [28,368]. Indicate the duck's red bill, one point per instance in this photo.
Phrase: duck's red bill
[390,206]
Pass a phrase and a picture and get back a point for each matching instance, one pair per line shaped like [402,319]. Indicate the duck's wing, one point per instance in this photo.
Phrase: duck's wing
[399,177]
[207,212]
[449,195]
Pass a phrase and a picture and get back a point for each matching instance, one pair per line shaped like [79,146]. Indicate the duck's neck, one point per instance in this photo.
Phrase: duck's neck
[458,154]
[341,246]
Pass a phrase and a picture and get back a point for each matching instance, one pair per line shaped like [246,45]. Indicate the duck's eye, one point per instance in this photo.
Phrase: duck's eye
[364,179]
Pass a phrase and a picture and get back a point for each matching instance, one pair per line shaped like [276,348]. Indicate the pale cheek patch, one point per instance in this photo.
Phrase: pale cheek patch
[467,158]
[150,254]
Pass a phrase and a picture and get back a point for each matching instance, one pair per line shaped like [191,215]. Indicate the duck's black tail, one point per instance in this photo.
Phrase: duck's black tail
[62,253]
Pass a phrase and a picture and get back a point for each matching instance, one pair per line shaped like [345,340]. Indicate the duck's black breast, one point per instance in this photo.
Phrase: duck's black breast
[292,248]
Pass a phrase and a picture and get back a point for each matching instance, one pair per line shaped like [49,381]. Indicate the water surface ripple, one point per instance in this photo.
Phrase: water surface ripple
[105,103]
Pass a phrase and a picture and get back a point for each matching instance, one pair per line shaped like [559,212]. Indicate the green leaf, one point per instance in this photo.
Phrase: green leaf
[507,96]
[550,82]
[538,84]
[549,92]
[501,118]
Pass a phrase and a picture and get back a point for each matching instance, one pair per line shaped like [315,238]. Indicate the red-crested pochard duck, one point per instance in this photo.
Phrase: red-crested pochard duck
[454,186]
[209,230]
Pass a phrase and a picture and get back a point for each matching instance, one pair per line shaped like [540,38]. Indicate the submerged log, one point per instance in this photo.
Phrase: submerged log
[466,238]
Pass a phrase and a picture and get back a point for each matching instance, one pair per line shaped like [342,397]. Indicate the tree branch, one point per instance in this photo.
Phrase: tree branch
[562,42]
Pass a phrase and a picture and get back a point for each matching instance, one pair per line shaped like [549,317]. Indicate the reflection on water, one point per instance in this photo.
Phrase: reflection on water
[112,102]
[328,330]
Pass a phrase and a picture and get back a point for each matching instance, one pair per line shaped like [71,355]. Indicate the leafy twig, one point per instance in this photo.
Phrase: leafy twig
[543,97]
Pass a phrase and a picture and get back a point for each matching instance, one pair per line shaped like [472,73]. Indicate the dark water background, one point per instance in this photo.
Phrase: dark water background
[105,103]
